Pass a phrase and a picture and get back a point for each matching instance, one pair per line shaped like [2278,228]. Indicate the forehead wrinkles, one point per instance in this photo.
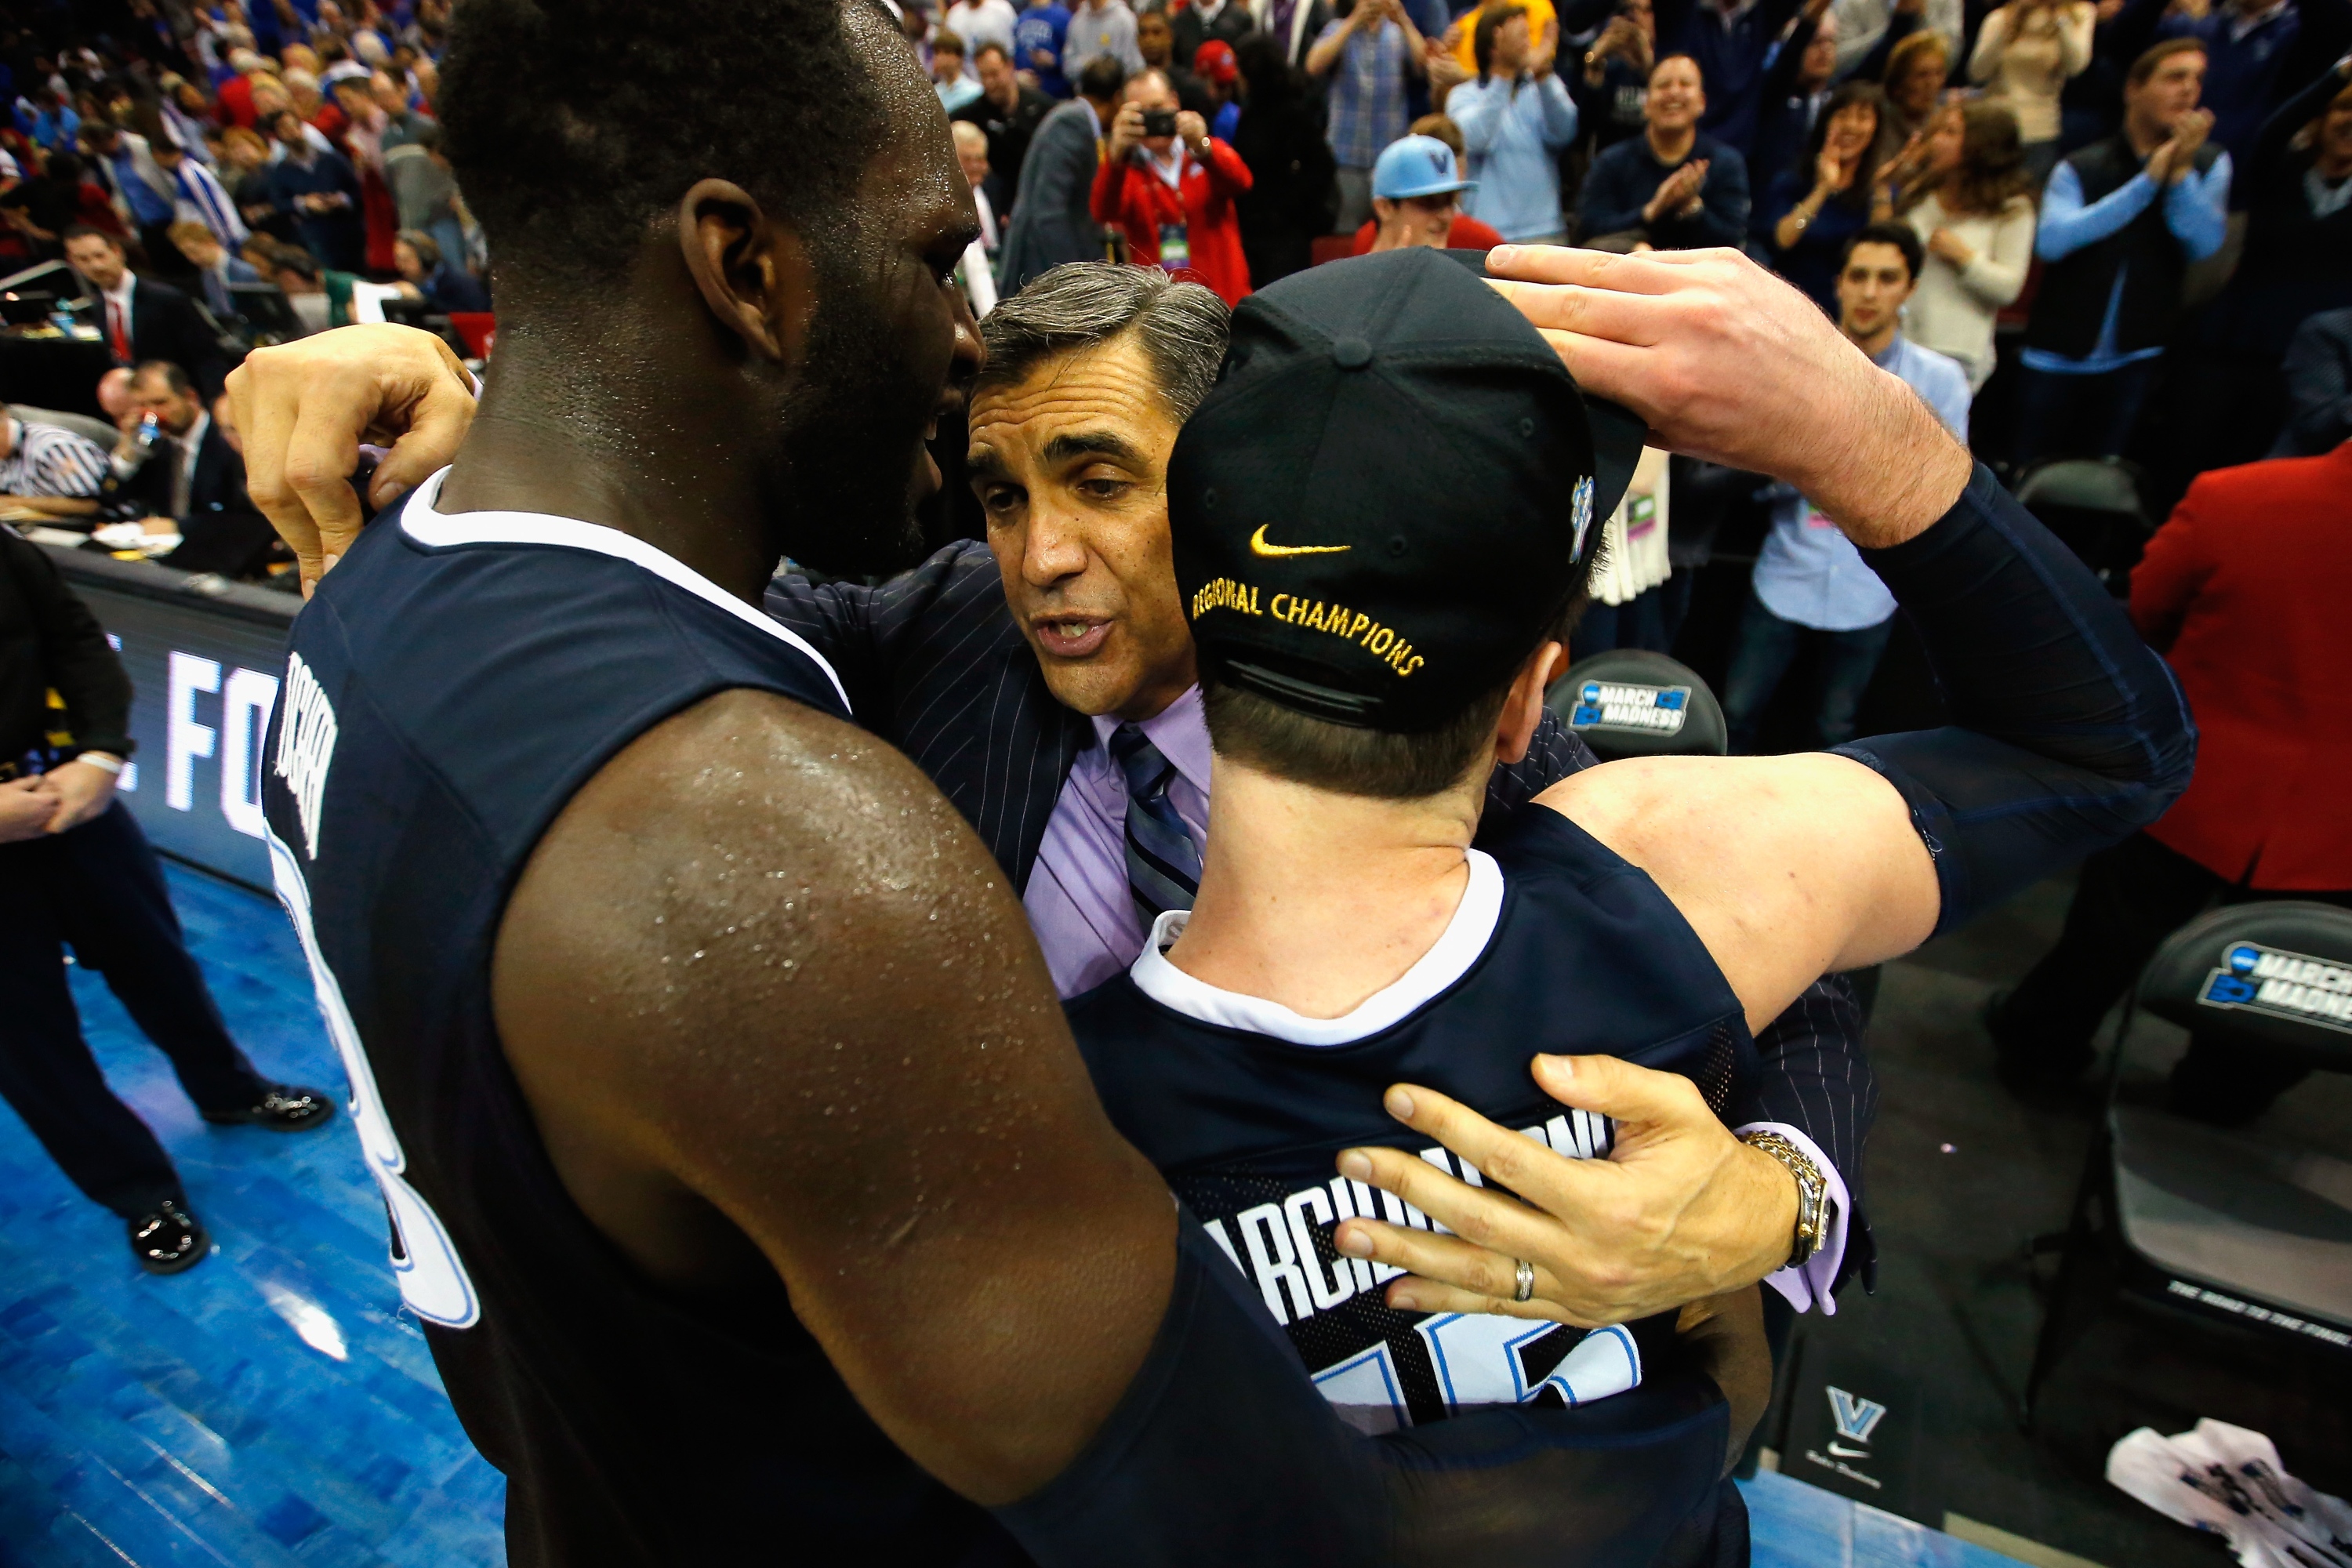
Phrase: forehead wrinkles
[1097,387]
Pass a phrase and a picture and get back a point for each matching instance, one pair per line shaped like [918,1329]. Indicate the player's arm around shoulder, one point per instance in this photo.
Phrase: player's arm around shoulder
[770,1000]
[1787,867]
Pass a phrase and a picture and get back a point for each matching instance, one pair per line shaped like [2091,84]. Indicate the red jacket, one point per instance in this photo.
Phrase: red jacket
[2248,590]
[236,102]
[1140,201]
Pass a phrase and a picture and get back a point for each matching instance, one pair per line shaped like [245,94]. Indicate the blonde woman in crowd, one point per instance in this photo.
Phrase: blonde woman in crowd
[2025,52]
[1969,206]
[1916,69]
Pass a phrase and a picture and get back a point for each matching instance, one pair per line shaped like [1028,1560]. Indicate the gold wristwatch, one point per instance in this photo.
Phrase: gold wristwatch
[1812,1195]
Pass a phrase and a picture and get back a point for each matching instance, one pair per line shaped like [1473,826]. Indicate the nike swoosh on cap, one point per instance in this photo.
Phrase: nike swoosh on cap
[1258,546]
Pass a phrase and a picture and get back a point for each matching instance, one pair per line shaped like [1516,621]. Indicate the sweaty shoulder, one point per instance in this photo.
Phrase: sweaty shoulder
[749,878]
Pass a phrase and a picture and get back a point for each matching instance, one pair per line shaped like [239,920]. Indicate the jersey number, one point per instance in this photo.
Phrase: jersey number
[433,1282]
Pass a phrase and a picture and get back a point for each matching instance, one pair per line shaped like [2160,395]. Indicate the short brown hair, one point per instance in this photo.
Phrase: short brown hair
[1491,21]
[1379,764]
[242,136]
[2156,55]
[188,232]
[1443,128]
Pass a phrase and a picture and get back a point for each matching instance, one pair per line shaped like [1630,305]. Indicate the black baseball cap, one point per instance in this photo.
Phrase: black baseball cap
[1390,492]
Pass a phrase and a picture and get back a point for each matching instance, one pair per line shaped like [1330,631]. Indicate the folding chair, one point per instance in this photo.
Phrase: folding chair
[1628,702]
[2092,504]
[2205,1225]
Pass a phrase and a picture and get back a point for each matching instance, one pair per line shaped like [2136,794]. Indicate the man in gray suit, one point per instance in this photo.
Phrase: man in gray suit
[1051,222]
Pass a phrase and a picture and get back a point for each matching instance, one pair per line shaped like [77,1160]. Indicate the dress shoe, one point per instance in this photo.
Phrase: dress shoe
[282,1107]
[168,1240]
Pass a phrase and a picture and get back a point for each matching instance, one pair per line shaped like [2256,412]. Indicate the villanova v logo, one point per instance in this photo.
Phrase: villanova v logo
[1856,1419]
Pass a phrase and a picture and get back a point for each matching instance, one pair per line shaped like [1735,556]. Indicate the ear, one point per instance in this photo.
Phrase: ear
[755,277]
[1523,709]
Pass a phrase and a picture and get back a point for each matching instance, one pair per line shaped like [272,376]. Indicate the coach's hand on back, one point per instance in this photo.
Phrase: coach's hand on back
[1679,1211]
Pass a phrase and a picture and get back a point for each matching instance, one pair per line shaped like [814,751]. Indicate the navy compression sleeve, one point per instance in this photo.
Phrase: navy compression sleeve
[2069,733]
[1222,1452]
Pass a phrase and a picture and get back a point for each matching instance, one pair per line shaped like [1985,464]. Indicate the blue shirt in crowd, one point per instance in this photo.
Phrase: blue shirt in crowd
[1043,27]
[1809,571]
[151,207]
[1367,88]
[56,127]
[1514,131]
[2196,209]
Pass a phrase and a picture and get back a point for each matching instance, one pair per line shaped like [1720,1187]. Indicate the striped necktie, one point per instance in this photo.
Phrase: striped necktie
[1163,864]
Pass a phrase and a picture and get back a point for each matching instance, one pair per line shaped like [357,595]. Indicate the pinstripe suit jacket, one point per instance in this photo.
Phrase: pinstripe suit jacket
[935,664]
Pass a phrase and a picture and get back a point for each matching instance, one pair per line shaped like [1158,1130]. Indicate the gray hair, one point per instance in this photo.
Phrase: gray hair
[1084,304]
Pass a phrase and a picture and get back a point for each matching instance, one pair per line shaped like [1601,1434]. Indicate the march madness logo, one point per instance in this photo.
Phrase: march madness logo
[1619,705]
[2289,985]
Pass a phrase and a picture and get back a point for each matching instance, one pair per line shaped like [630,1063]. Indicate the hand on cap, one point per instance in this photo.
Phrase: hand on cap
[304,408]
[1727,363]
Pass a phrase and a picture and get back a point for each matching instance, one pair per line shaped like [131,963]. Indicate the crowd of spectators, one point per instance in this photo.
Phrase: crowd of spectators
[2133,218]
[2128,224]
[215,178]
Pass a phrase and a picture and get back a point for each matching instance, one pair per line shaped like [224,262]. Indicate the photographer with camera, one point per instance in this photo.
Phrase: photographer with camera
[1169,186]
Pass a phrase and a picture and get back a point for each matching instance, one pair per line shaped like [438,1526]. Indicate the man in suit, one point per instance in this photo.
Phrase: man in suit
[2242,590]
[190,480]
[1055,222]
[144,320]
[75,869]
[1020,676]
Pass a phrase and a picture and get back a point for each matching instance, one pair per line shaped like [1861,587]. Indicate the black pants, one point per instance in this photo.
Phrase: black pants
[99,889]
[2130,899]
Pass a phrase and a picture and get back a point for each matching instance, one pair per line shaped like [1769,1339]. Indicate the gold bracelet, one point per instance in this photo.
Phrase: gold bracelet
[1812,1195]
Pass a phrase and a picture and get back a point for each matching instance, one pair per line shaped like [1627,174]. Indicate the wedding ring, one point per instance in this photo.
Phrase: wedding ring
[1526,1280]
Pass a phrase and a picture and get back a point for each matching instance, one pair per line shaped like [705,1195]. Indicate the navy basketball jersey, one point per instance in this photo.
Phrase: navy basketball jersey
[1559,946]
[455,681]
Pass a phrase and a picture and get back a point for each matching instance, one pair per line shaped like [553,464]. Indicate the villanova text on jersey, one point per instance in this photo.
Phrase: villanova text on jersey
[1558,947]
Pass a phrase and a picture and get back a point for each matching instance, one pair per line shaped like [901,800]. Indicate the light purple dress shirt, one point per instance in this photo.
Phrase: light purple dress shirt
[1077,899]
[1086,919]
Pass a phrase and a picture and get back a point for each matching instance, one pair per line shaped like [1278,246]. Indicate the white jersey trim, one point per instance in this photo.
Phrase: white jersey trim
[428,525]
[1464,942]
